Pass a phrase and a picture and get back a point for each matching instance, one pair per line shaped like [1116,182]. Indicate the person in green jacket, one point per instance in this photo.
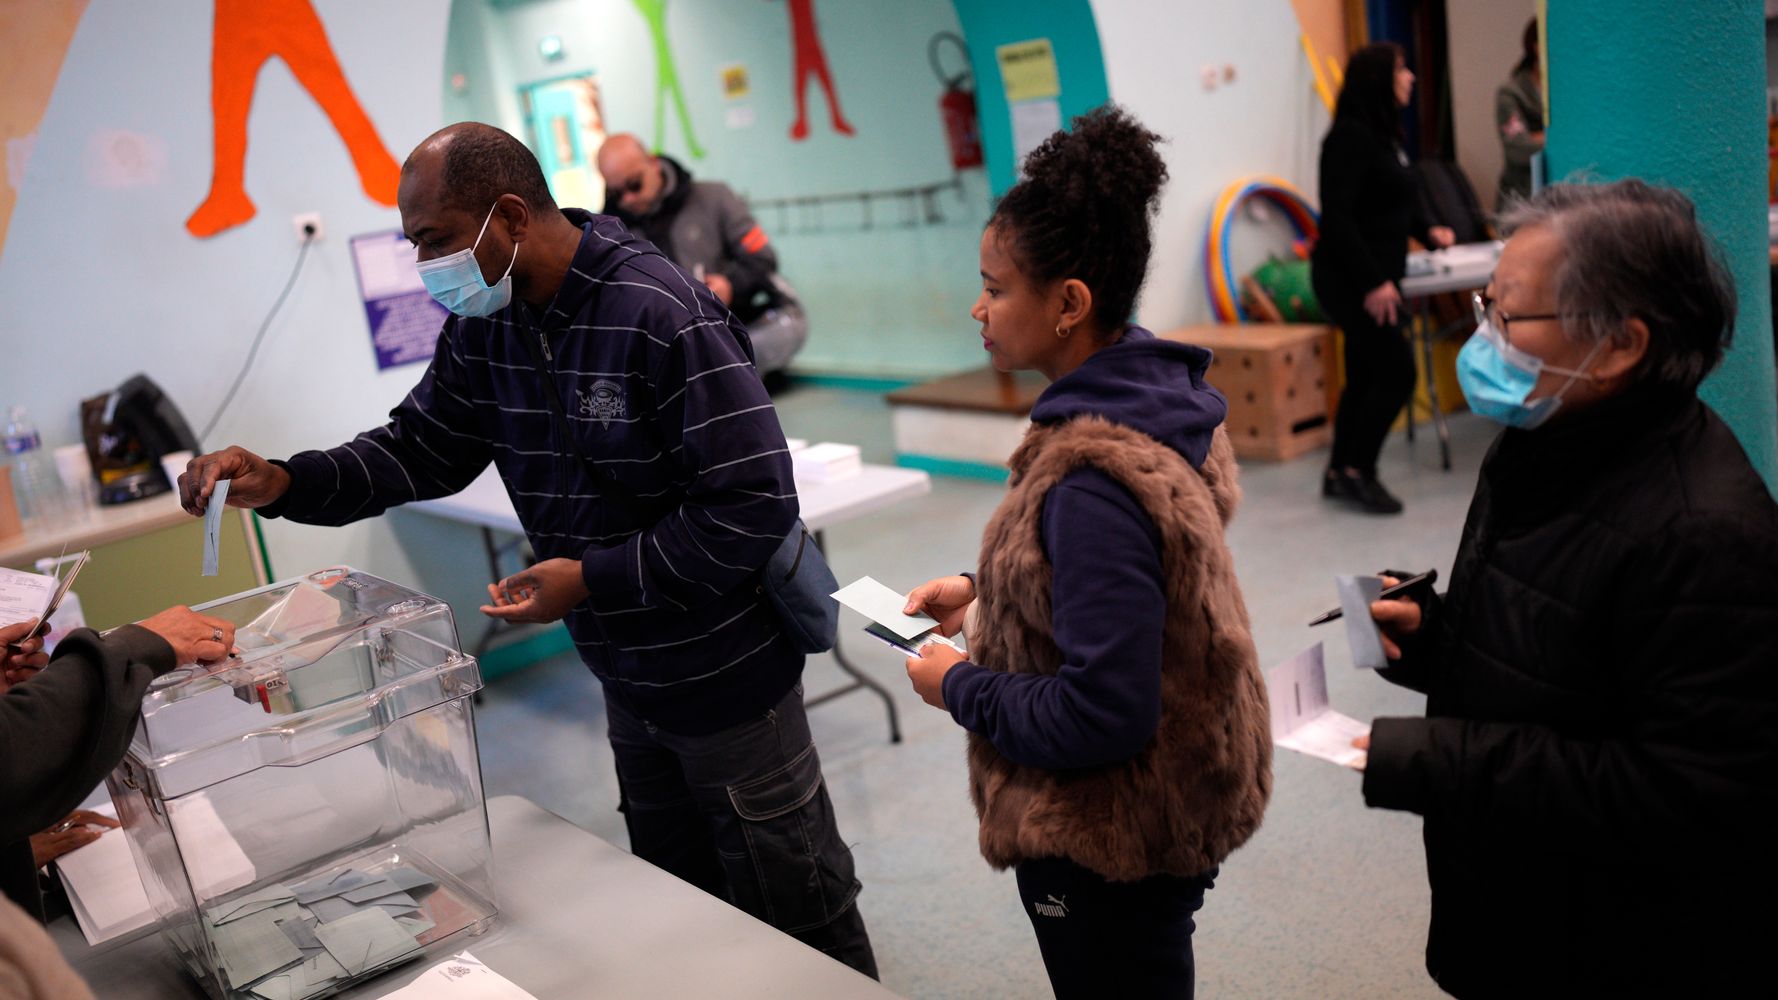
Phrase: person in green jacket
[1518,115]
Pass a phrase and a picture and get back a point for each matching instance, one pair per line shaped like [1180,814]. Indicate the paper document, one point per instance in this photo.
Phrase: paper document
[463,977]
[1301,718]
[23,596]
[213,526]
[1356,595]
[104,889]
[28,590]
[882,605]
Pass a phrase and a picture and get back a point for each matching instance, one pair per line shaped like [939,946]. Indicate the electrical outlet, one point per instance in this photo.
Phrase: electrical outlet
[308,225]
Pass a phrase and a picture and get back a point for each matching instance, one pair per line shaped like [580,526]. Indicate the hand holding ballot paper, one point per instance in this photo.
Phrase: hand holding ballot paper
[33,598]
[1303,721]
[1388,605]
[924,638]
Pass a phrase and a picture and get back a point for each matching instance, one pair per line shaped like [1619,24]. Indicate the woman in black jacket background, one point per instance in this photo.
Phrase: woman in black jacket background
[1368,211]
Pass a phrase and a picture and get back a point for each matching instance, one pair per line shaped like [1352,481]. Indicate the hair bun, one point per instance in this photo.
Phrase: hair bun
[1107,159]
[1082,210]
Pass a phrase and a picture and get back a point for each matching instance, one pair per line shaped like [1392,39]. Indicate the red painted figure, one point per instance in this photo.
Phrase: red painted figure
[810,60]
[247,34]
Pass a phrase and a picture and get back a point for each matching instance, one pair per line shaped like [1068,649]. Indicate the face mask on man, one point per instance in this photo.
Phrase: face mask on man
[1497,379]
[456,282]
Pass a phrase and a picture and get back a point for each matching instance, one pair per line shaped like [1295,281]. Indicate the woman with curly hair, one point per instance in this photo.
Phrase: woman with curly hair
[1119,743]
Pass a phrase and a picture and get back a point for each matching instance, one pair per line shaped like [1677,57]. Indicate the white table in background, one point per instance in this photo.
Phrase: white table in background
[484,503]
[578,918]
[1461,268]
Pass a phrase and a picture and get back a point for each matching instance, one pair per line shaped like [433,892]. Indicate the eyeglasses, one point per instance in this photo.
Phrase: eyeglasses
[631,186]
[1488,311]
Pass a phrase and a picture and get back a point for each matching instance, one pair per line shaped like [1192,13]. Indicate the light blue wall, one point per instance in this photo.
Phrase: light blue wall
[100,282]
[1267,120]
[888,302]
[1674,94]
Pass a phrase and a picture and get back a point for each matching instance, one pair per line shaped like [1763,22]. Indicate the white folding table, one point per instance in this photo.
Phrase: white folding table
[578,918]
[485,504]
[1460,268]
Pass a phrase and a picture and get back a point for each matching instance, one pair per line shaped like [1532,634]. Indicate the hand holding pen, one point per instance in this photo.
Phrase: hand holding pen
[1396,611]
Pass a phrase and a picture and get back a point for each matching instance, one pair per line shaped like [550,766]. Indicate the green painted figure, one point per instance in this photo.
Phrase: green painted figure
[666,78]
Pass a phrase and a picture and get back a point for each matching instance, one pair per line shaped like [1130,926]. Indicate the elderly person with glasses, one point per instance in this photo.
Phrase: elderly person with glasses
[1598,762]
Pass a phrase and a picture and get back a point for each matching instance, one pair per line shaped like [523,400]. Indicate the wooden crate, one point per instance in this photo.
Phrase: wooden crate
[1279,380]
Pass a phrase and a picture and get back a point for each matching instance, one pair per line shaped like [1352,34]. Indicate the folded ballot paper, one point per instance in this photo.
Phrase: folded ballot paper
[213,527]
[105,890]
[1301,718]
[1366,640]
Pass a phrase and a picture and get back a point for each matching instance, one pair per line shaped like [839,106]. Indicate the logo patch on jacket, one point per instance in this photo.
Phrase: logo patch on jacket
[604,401]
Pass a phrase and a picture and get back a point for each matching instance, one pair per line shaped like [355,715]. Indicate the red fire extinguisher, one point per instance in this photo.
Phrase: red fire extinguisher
[956,107]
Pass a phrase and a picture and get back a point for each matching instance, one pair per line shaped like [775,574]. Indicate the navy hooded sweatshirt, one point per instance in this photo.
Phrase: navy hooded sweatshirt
[669,479]
[1107,587]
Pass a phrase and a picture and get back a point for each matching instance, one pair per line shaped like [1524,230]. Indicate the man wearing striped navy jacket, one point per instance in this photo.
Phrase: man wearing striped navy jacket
[652,498]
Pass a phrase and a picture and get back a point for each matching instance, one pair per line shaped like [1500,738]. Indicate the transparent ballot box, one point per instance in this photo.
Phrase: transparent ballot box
[311,813]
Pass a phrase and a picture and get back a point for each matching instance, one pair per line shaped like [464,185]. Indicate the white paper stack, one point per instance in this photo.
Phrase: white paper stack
[105,889]
[796,444]
[826,462]
[1301,718]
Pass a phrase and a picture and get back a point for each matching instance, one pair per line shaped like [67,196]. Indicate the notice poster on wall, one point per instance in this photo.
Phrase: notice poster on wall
[404,318]
[1033,122]
[1028,70]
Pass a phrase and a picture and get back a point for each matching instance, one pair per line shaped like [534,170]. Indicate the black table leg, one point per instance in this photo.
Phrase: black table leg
[859,678]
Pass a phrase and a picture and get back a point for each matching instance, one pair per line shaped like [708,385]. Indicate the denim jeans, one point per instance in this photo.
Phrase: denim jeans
[1112,939]
[744,815]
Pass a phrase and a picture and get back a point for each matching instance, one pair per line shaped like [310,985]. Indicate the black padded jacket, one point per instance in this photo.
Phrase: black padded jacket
[1598,764]
[61,733]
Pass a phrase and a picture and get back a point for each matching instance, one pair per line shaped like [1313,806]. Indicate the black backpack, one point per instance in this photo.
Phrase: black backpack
[1448,199]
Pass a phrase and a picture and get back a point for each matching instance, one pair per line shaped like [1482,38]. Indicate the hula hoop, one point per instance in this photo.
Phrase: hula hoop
[1219,276]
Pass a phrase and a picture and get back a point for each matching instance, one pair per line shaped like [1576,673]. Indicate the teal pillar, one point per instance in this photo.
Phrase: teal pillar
[1674,93]
[1080,67]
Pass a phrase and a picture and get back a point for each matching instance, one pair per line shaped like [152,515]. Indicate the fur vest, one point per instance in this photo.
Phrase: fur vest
[1198,790]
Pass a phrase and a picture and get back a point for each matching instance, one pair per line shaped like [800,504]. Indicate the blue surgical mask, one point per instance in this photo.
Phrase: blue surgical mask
[456,280]
[1497,378]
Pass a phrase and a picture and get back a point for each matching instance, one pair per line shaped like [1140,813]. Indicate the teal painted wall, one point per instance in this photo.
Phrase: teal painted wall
[1068,24]
[1675,94]
[891,301]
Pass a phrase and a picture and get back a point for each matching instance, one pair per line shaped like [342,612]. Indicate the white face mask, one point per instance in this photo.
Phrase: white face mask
[456,282]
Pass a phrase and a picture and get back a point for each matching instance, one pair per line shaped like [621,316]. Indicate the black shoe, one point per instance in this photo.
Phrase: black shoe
[1360,489]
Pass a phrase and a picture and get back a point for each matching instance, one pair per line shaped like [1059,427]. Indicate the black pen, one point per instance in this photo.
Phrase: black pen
[1428,578]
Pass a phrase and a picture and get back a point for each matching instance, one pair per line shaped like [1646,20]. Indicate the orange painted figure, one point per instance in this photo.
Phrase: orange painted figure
[249,32]
[810,60]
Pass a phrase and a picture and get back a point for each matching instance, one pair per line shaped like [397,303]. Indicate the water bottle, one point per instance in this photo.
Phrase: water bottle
[35,485]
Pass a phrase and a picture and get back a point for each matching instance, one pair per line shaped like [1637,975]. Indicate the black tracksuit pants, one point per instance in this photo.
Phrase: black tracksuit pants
[1379,377]
[1131,940]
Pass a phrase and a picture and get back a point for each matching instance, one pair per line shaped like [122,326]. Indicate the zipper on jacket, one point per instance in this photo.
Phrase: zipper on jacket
[543,342]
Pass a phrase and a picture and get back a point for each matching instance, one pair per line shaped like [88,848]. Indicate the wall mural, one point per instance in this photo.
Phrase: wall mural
[810,60]
[666,78]
[247,34]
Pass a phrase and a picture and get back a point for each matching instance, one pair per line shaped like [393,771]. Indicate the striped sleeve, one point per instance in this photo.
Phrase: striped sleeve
[718,423]
[431,447]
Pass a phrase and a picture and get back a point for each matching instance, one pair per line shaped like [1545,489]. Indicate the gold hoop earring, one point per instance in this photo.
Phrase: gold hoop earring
[1063,333]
